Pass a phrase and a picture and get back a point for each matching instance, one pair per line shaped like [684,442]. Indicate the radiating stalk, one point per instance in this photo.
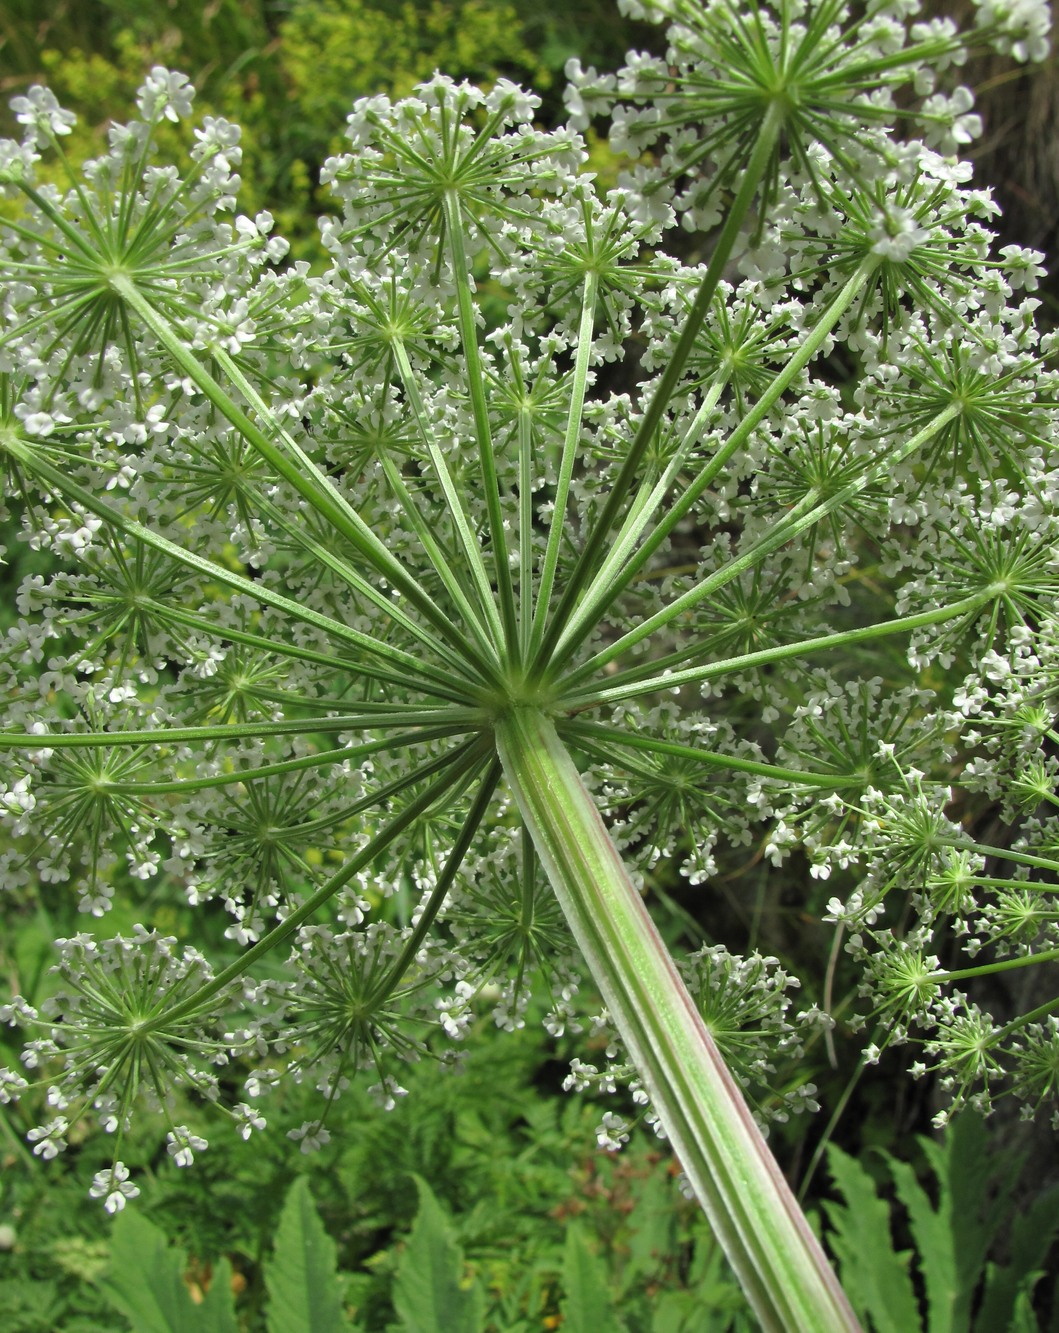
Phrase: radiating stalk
[987,969]
[593,737]
[282,648]
[434,552]
[453,862]
[583,621]
[257,590]
[465,533]
[756,170]
[461,721]
[571,440]
[646,504]
[324,558]
[811,510]
[452,767]
[525,529]
[298,469]
[339,755]
[778,1261]
[465,307]
[633,684]
[1009,854]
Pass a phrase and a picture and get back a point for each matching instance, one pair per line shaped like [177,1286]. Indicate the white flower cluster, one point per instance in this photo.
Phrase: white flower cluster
[304,540]
[1021,27]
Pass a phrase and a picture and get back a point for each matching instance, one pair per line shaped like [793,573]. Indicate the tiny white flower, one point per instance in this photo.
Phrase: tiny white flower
[182,1145]
[312,1136]
[612,1132]
[113,1187]
[248,1118]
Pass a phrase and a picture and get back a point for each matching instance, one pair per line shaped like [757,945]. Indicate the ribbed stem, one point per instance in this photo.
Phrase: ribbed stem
[778,1261]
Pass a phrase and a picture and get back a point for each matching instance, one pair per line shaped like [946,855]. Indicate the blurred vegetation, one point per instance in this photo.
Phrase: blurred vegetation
[288,71]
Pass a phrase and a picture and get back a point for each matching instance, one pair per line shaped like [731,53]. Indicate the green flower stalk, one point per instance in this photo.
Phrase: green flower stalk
[396,617]
[767,1240]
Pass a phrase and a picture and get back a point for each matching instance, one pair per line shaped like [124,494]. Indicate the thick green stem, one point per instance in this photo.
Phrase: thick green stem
[777,1259]
[987,969]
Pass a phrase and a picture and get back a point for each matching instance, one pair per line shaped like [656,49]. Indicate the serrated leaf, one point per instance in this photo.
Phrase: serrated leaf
[935,1242]
[669,1313]
[428,1291]
[979,1183]
[716,1310]
[146,1283]
[301,1276]
[876,1279]
[30,1304]
[587,1303]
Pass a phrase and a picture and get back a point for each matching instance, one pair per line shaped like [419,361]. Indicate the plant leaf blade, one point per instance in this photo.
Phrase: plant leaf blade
[146,1283]
[428,1294]
[301,1276]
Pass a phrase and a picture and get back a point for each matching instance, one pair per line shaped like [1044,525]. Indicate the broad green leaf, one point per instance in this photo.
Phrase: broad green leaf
[216,1313]
[587,1304]
[302,1282]
[429,1293]
[978,1184]
[935,1245]
[146,1283]
[875,1277]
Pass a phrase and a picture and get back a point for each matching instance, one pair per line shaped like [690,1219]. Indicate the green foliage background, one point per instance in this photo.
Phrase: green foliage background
[288,71]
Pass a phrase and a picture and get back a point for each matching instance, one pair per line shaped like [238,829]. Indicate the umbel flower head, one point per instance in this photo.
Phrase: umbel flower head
[113,1030]
[829,80]
[347,578]
[124,218]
